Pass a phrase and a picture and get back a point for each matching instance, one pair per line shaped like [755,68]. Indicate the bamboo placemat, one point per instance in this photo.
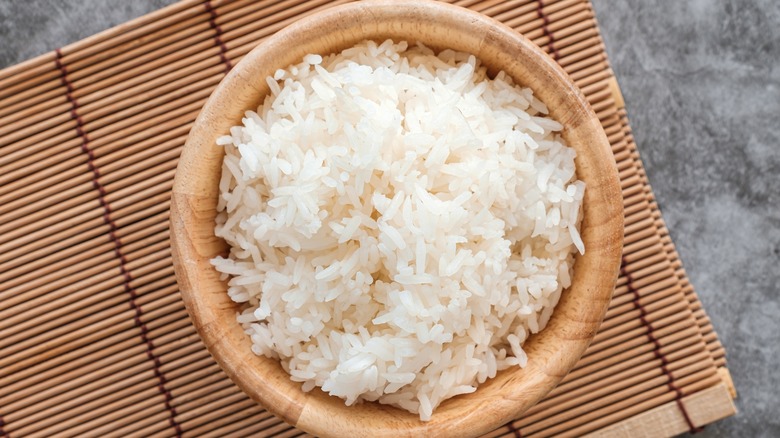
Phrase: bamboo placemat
[94,338]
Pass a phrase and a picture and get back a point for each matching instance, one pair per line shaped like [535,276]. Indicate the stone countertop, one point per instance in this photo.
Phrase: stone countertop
[701,80]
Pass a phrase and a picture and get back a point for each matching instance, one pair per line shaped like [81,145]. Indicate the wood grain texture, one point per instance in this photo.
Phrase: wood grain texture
[552,353]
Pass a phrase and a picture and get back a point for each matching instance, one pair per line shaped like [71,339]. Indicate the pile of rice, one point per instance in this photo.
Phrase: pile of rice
[399,223]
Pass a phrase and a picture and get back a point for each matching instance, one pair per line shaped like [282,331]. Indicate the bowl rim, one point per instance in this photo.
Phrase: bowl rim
[552,352]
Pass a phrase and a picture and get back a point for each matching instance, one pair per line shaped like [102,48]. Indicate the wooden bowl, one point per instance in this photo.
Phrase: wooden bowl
[552,353]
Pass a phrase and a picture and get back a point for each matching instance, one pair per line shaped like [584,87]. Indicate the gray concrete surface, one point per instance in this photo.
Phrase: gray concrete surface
[701,79]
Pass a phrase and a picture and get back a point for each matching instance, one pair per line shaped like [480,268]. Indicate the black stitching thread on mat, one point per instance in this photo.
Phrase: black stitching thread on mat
[3,433]
[547,32]
[657,347]
[515,431]
[117,243]
[218,36]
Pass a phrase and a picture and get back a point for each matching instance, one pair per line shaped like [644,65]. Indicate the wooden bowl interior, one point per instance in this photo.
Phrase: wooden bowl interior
[552,353]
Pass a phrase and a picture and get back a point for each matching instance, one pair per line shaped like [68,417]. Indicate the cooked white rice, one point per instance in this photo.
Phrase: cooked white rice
[399,223]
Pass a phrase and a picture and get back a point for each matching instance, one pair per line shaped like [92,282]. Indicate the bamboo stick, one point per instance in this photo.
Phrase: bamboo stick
[113,396]
[140,368]
[583,414]
[619,312]
[100,410]
[80,156]
[166,75]
[596,81]
[640,403]
[632,329]
[280,430]
[631,219]
[615,135]
[79,400]
[618,321]
[258,15]
[66,238]
[73,275]
[265,423]
[78,366]
[573,68]
[11,297]
[197,392]
[38,131]
[37,102]
[640,266]
[46,79]
[635,327]
[64,426]
[183,38]
[30,351]
[624,295]
[283,430]
[175,323]
[656,278]
[633,204]
[122,32]
[162,190]
[82,312]
[192,372]
[663,340]
[144,417]
[51,151]
[113,298]
[32,67]
[676,347]
[11,273]
[14,231]
[495,7]
[591,393]
[209,398]
[594,49]
[663,287]
[54,175]
[231,423]
[115,387]
[25,206]
[665,308]
[35,108]
[606,108]
[192,415]
[192,390]
[557,21]
[239,43]
[572,20]
[647,267]
[83,354]
[582,74]
[705,406]
[29,345]
[117,116]
[164,36]
[71,172]
[648,361]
